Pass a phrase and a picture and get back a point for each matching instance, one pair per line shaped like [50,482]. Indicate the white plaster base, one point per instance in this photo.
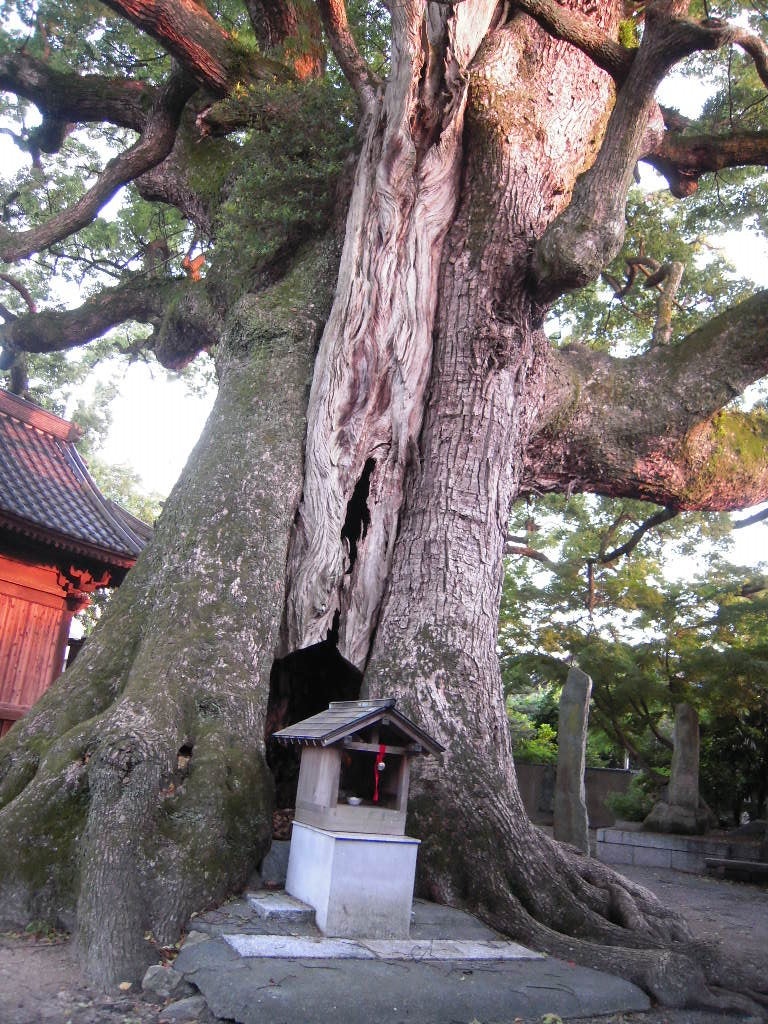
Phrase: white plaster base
[361,885]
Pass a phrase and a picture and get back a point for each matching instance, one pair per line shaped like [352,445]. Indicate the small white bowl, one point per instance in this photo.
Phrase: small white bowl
[355,801]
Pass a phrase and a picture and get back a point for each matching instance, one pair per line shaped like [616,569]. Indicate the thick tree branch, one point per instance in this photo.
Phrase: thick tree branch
[138,299]
[683,159]
[168,182]
[651,427]
[179,310]
[293,25]
[581,32]
[589,232]
[358,74]
[186,30]
[62,97]
[750,43]
[153,146]
[273,21]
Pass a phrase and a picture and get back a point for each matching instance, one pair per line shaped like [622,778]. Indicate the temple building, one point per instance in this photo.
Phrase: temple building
[60,540]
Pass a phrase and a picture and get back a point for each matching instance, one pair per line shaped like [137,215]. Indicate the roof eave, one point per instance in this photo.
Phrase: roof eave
[333,736]
[73,545]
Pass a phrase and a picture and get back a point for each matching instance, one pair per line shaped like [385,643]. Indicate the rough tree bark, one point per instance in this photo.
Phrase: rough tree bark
[494,148]
[137,787]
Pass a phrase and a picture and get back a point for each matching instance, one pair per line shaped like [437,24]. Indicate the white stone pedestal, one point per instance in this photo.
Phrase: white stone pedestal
[360,884]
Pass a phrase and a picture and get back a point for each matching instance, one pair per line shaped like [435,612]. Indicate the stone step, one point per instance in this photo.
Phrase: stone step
[279,906]
[295,947]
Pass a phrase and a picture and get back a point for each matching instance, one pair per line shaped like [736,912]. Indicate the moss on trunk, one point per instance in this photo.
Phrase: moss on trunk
[138,787]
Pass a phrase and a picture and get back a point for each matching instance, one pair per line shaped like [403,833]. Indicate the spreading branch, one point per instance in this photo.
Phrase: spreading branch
[683,159]
[662,434]
[179,311]
[186,30]
[657,519]
[23,291]
[169,182]
[59,330]
[572,567]
[152,147]
[757,517]
[611,56]
[293,25]
[273,21]
[589,232]
[358,74]
[65,98]
[749,42]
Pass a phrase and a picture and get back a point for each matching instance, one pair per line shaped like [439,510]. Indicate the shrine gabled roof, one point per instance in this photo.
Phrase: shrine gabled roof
[346,717]
[48,495]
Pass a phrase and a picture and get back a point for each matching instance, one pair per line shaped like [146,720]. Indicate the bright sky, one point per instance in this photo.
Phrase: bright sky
[156,423]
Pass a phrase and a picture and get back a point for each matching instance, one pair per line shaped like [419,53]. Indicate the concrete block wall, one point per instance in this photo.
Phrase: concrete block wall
[657,850]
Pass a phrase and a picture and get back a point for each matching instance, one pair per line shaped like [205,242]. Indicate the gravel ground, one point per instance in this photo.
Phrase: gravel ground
[40,981]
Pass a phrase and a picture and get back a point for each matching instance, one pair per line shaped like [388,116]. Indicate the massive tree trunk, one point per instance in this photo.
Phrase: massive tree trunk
[383,529]
[435,646]
[138,788]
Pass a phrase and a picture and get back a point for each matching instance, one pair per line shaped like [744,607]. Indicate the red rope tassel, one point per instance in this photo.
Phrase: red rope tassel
[378,770]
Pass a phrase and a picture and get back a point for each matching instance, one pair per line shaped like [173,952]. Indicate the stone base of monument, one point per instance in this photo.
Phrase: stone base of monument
[675,818]
[360,884]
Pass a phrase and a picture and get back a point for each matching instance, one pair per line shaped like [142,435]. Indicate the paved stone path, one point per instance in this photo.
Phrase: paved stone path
[453,968]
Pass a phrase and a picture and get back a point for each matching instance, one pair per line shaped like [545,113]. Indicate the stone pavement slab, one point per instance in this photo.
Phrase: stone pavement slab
[452,969]
[253,990]
[449,949]
[302,947]
[297,947]
[435,921]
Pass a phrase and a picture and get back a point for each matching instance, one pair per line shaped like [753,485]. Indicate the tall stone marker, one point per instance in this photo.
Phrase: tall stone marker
[571,824]
[681,812]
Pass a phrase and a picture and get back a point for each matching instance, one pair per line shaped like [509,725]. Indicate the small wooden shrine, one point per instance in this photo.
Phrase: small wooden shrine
[60,540]
[350,858]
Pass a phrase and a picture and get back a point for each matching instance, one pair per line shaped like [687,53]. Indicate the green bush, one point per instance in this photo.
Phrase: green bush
[636,803]
[532,743]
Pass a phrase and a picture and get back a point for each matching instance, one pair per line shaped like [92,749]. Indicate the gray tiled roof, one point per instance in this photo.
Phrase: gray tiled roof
[345,717]
[47,493]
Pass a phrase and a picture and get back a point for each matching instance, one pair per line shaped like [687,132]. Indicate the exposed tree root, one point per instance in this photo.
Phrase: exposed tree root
[551,897]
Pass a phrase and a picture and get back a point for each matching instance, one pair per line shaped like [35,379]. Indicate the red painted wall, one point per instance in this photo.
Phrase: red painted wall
[34,627]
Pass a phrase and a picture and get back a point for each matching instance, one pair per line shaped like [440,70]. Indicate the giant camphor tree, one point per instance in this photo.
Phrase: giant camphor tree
[389,204]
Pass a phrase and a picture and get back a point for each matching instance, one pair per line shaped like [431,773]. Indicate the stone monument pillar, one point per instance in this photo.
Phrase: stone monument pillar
[571,824]
[680,812]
